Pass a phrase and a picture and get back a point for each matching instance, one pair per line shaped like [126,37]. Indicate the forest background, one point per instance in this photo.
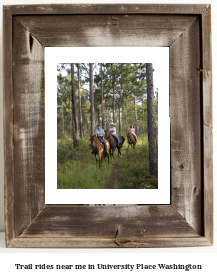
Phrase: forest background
[103,93]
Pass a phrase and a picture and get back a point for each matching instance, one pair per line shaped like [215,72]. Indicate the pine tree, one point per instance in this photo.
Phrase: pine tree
[92,116]
[74,109]
[79,102]
[151,121]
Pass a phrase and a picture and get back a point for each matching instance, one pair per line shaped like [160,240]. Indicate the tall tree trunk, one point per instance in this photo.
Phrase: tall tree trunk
[102,98]
[63,119]
[113,99]
[74,109]
[135,115]
[71,119]
[113,104]
[126,121]
[92,116]
[143,117]
[151,121]
[98,114]
[119,110]
[108,123]
[79,101]
[119,117]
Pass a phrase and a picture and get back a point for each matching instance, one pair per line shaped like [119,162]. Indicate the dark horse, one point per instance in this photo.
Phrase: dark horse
[131,140]
[99,148]
[113,142]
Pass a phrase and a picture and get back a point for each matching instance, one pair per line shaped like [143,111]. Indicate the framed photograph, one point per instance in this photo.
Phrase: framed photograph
[37,125]
[124,102]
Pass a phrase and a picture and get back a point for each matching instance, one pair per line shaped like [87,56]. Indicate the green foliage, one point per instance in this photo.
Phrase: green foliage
[134,167]
[76,175]
[65,150]
[129,80]
[77,168]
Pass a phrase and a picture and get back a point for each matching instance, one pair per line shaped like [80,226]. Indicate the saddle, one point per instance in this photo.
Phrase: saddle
[128,136]
[101,142]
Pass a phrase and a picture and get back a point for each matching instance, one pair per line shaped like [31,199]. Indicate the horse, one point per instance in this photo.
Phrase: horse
[122,139]
[113,142]
[131,140]
[99,148]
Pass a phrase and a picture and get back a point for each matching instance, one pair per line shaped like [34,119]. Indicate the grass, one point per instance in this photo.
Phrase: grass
[77,168]
[134,167]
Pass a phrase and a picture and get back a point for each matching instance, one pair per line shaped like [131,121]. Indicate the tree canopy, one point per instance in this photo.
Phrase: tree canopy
[119,95]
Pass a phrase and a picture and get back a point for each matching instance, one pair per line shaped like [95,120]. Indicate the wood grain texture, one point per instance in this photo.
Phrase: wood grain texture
[207,123]
[108,243]
[107,30]
[29,223]
[29,131]
[109,221]
[185,113]
[106,9]
[8,125]
[208,182]
[207,67]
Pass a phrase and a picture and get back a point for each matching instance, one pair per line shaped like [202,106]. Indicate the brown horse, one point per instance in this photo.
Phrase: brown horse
[131,140]
[99,148]
[113,142]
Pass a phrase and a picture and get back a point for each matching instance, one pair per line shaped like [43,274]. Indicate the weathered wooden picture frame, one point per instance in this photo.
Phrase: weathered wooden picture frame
[186,30]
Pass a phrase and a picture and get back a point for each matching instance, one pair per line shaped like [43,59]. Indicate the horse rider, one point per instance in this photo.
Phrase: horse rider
[113,132]
[101,134]
[132,131]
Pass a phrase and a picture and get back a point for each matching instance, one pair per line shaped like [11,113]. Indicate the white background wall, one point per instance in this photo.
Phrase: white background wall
[214,31]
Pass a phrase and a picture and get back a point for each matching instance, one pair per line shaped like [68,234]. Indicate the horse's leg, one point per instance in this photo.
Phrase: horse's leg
[118,151]
[112,152]
[100,157]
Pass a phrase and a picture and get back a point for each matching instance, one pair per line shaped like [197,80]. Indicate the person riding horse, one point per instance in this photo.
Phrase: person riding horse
[101,134]
[113,133]
[132,131]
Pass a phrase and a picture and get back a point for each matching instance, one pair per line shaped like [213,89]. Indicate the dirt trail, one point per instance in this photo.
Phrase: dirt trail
[113,178]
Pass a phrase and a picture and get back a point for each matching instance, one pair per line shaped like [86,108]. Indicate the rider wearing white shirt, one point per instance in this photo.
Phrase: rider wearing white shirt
[113,132]
[113,129]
